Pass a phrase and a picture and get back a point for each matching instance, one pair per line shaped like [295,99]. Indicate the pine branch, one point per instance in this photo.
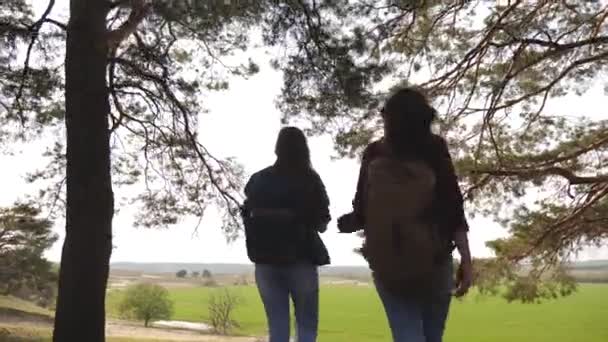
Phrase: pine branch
[34,31]
[139,10]
[541,172]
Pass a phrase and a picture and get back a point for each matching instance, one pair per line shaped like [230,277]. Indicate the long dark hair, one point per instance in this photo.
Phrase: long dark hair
[293,154]
[408,118]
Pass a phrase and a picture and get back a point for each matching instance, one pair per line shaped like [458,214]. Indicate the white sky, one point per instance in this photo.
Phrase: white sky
[246,111]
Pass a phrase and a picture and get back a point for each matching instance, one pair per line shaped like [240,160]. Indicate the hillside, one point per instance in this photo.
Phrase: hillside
[227,269]
[590,265]
[593,267]
[171,267]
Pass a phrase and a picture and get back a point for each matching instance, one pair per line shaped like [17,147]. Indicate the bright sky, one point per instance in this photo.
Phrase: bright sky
[243,122]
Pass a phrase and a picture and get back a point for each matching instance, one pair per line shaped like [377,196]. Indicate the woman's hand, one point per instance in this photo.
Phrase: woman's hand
[464,278]
[464,275]
[348,223]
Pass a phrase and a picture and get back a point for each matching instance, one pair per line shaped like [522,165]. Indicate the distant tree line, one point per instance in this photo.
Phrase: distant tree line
[206,274]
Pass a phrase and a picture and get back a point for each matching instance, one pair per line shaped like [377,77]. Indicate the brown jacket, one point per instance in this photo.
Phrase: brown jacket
[448,209]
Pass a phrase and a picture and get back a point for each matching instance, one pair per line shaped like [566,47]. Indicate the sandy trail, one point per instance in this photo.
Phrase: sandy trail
[131,330]
[125,329]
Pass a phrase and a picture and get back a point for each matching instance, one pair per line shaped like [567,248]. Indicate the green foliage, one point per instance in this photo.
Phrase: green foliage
[526,283]
[181,274]
[24,237]
[146,302]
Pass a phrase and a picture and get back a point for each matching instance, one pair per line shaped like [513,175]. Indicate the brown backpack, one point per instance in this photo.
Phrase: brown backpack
[401,242]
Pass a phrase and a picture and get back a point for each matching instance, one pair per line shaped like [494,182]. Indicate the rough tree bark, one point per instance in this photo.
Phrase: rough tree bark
[80,314]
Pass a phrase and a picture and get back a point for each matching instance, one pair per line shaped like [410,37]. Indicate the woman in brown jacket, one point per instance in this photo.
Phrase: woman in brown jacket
[407,118]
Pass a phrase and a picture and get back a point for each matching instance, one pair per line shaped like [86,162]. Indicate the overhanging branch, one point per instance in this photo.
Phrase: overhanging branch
[540,172]
[564,222]
[56,23]
[34,30]
[139,10]
[181,111]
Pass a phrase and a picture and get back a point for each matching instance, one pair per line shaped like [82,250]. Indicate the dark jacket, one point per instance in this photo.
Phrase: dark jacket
[447,210]
[286,241]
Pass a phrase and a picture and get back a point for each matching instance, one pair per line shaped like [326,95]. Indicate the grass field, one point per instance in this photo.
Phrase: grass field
[22,305]
[354,314]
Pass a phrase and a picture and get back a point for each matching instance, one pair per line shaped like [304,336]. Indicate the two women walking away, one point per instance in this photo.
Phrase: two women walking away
[286,208]
[408,204]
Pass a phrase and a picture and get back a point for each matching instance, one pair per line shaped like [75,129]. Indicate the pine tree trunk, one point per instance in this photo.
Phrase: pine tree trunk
[87,247]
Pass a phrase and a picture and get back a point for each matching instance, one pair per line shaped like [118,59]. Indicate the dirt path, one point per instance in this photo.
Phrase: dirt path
[131,330]
[125,329]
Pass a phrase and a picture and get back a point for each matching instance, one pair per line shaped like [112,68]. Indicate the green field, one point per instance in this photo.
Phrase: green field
[354,314]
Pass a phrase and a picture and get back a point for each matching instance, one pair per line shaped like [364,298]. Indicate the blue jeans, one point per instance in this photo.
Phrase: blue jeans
[418,320]
[276,285]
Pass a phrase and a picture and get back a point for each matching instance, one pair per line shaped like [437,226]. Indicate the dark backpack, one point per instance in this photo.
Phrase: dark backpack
[273,240]
[401,241]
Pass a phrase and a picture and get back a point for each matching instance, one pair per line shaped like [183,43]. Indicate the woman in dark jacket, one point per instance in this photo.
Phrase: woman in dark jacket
[286,207]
